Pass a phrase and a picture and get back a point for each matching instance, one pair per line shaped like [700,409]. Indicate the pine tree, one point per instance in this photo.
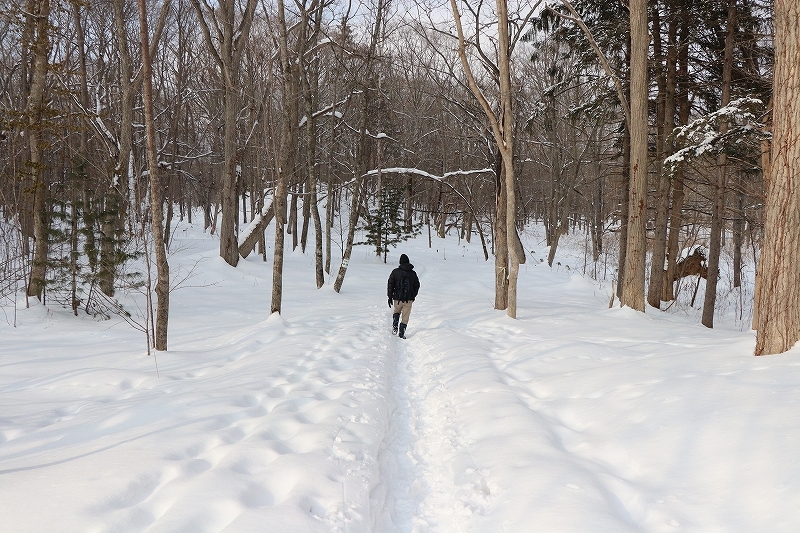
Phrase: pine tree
[386,225]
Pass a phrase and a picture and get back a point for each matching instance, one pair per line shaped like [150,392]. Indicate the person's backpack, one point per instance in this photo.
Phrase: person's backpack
[404,289]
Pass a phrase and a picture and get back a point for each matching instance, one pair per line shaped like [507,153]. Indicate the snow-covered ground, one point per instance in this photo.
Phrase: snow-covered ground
[573,418]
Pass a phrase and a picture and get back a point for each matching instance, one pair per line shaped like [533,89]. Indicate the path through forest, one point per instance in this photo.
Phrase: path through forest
[572,418]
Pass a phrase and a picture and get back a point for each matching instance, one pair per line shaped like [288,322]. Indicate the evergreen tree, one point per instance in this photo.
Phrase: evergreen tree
[386,225]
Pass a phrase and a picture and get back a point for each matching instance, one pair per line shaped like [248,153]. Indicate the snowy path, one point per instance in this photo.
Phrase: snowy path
[423,444]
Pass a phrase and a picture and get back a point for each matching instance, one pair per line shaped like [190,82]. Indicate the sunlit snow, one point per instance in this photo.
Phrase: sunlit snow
[574,418]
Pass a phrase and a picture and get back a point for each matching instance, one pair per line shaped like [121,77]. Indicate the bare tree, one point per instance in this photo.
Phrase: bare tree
[156,200]
[361,165]
[506,239]
[665,118]
[285,156]
[226,45]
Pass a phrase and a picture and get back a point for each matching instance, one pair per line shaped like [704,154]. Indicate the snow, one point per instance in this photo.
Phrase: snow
[572,418]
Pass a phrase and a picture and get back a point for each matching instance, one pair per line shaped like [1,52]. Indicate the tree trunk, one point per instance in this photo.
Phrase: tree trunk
[717,214]
[362,154]
[228,247]
[738,232]
[633,280]
[284,161]
[329,211]
[35,107]
[231,38]
[778,326]
[625,190]
[667,122]
[311,202]
[156,201]
[292,229]
[506,146]
[500,242]
[676,208]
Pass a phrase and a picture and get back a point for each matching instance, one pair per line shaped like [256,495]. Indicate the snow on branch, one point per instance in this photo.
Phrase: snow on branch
[422,173]
[441,179]
[703,136]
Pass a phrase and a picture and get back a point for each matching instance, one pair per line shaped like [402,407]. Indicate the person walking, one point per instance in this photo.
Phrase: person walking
[402,289]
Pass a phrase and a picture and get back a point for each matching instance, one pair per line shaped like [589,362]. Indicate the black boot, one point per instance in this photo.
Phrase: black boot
[402,334]
[395,321]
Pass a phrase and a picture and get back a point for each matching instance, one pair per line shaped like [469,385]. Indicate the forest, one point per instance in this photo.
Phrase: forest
[664,131]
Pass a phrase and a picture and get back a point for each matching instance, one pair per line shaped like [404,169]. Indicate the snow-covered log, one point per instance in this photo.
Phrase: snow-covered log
[249,237]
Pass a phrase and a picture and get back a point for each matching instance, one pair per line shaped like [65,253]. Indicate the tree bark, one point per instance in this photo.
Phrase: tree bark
[34,111]
[232,38]
[717,214]
[779,294]
[636,246]
[666,121]
[156,201]
[738,231]
[500,242]
[362,154]
[502,130]
[310,202]
[684,110]
[285,159]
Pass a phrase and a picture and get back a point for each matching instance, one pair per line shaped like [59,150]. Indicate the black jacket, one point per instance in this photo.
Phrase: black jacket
[396,278]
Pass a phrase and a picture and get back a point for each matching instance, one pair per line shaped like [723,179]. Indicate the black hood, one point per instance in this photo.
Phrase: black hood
[406,266]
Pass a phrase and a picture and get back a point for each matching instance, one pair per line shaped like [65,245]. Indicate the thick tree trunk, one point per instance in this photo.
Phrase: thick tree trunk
[779,293]
[636,246]
[228,248]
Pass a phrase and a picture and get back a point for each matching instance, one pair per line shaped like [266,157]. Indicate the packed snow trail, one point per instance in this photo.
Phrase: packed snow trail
[422,447]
